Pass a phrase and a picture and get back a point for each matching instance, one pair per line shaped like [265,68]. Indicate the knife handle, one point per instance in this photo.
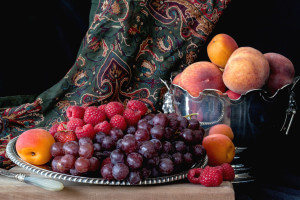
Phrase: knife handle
[45,183]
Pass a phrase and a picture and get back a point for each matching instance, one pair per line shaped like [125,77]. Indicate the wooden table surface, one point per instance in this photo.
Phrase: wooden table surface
[13,189]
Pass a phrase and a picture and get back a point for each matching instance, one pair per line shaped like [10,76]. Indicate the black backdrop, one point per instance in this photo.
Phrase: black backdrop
[40,41]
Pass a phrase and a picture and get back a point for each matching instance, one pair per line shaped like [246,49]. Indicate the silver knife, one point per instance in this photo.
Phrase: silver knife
[45,183]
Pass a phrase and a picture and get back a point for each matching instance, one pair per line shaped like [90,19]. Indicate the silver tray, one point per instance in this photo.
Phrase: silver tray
[14,157]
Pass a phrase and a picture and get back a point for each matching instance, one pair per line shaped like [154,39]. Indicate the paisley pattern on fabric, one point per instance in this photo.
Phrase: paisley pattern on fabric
[129,47]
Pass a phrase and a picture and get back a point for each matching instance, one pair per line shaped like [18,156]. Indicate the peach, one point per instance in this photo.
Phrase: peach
[246,69]
[220,48]
[219,149]
[282,72]
[34,145]
[221,129]
[177,79]
[233,95]
[200,76]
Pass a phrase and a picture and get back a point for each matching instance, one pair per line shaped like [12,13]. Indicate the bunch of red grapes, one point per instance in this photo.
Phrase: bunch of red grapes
[160,144]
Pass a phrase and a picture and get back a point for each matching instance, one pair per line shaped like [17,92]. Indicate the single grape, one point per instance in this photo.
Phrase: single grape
[84,140]
[117,156]
[134,177]
[120,171]
[134,160]
[188,159]
[82,164]
[131,130]
[147,149]
[149,116]
[166,166]
[94,164]
[173,122]
[157,132]
[129,143]
[167,147]
[71,148]
[106,171]
[198,136]
[86,150]
[54,163]
[183,122]
[57,149]
[194,124]
[67,161]
[108,143]
[165,155]
[157,144]
[153,162]
[97,147]
[74,172]
[142,135]
[99,137]
[177,158]
[116,134]
[169,133]
[187,135]
[145,172]
[144,125]
[160,119]
[199,151]
[180,146]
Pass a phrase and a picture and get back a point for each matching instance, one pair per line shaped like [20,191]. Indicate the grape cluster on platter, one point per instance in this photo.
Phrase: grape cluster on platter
[156,145]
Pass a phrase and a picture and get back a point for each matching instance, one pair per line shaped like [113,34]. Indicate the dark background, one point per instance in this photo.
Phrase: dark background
[41,39]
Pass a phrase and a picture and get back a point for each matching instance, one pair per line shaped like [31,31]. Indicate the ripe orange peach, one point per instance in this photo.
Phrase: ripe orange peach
[221,129]
[33,146]
[246,69]
[219,149]
[177,79]
[220,48]
[282,72]
[200,76]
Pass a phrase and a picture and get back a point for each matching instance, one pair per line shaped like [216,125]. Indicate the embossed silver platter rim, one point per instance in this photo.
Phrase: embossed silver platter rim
[14,157]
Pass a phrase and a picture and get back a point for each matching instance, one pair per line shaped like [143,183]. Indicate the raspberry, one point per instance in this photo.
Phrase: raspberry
[131,117]
[62,127]
[102,107]
[73,123]
[75,112]
[194,175]
[228,172]
[93,115]
[85,131]
[113,108]
[53,129]
[104,127]
[211,176]
[118,121]
[65,136]
[137,106]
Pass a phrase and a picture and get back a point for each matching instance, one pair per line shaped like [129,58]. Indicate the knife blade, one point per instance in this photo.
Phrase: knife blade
[45,183]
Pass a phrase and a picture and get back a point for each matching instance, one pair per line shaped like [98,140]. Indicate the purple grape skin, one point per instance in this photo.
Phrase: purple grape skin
[82,164]
[160,119]
[134,160]
[84,140]
[128,143]
[57,149]
[198,136]
[142,135]
[194,124]
[94,164]
[134,177]
[177,158]
[199,151]
[120,171]
[106,171]
[147,149]
[157,132]
[157,143]
[180,146]
[86,150]
[68,161]
[99,137]
[108,143]
[167,147]
[117,156]
[54,163]
[166,166]
[71,148]
[187,135]
[116,134]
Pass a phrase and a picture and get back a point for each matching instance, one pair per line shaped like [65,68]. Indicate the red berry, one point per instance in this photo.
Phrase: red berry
[104,127]
[228,172]
[118,121]
[137,106]
[132,117]
[113,108]
[93,115]
[102,107]
[65,136]
[194,175]
[85,131]
[73,123]
[211,176]
[75,112]
[53,129]
[62,126]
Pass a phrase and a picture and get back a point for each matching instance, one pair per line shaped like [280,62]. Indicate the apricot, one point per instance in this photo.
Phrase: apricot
[282,72]
[200,76]
[177,79]
[246,69]
[220,48]
[34,145]
[219,149]
[221,129]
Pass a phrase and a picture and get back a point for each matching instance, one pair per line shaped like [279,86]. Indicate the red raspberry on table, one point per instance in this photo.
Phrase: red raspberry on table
[73,123]
[118,121]
[53,129]
[62,127]
[211,176]
[132,117]
[137,106]
[228,172]
[102,107]
[75,112]
[65,136]
[93,115]
[194,175]
[113,108]
[85,131]
[104,127]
